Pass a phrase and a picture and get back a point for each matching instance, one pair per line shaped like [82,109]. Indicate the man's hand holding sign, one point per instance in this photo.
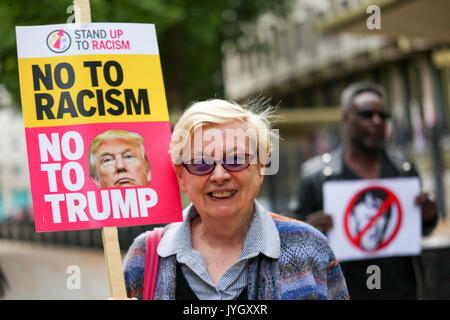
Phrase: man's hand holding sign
[99,112]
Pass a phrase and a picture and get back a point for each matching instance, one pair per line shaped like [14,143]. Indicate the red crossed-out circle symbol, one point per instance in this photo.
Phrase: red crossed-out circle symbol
[390,203]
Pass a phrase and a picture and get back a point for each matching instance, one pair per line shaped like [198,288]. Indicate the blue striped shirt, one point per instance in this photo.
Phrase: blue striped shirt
[262,237]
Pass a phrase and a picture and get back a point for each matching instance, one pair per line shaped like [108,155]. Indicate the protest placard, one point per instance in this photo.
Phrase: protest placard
[97,130]
[373,218]
[89,95]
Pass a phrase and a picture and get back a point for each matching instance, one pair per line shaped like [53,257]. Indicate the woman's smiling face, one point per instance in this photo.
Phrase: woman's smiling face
[221,193]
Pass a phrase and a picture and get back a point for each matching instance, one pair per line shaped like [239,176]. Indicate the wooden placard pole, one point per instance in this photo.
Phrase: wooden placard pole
[110,236]
[114,262]
[82,11]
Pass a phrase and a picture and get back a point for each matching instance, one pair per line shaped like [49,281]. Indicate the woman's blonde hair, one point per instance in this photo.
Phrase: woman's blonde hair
[256,116]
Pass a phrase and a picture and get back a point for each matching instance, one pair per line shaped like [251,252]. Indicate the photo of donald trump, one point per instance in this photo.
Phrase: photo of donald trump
[117,159]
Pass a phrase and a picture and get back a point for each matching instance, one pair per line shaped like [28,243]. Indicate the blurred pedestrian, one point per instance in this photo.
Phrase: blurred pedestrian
[229,246]
[3,283]
[363,156]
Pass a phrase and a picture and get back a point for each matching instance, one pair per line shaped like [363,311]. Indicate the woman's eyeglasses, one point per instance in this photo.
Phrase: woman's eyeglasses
[235,163]
[368,114]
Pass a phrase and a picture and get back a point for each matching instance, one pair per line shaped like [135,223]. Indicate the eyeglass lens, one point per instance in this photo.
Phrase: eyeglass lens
[206,166]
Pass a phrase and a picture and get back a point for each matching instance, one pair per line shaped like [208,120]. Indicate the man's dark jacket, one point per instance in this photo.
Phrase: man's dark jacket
[401,277]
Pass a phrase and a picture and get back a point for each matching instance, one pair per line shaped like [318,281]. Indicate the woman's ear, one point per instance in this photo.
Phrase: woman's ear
[262,159]
[262,172]
[180,173]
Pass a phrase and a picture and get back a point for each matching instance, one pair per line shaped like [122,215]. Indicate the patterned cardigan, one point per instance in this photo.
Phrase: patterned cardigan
[306,268]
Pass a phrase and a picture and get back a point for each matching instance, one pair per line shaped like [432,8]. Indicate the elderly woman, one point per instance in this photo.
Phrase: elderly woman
[229,246]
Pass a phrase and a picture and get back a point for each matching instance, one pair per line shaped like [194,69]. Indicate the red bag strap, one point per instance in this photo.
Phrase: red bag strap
[151,262]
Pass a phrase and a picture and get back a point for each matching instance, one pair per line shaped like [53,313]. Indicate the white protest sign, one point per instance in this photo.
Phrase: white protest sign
[373,218]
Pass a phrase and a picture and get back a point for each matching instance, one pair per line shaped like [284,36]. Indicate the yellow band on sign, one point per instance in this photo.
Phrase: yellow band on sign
[71,90]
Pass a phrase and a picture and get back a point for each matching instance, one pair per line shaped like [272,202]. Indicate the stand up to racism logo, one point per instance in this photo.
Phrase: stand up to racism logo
[58,41]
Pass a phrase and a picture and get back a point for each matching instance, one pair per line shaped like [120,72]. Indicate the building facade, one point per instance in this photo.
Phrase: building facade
[301,61]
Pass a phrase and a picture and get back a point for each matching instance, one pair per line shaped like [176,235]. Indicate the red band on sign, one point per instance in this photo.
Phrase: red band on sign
[390,200]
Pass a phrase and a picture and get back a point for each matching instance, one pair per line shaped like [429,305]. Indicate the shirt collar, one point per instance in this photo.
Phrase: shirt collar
[262,236]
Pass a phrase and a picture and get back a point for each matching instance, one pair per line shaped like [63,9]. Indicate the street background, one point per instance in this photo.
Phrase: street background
[298,53]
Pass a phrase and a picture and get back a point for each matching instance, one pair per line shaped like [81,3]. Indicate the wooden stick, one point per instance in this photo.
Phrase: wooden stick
[83,15]
[109,234]
[114,262]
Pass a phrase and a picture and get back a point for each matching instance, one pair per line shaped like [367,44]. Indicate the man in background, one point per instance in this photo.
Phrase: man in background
[363,156]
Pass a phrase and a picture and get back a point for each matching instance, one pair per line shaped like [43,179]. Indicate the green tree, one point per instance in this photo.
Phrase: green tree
[190,34]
